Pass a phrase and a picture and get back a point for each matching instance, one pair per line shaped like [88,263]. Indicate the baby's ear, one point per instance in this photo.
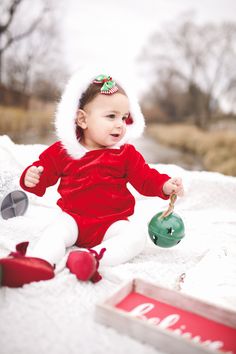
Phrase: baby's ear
[81,119]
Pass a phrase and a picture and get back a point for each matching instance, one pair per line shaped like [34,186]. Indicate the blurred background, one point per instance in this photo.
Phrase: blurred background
[182,53]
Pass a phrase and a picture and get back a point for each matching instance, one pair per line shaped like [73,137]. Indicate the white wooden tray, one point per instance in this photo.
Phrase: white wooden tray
[157,330]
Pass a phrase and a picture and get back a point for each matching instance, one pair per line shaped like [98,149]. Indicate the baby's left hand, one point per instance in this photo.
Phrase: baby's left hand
[173,185]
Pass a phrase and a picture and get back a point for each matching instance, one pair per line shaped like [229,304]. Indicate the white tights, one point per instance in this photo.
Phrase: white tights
[123,241]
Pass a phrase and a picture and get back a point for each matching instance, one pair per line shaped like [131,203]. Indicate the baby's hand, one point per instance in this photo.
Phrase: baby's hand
[32,176]
[174,185]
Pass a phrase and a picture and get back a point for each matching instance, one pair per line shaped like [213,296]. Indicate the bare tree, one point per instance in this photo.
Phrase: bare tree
[31,64]
[8,34]
[199,59]
[35,61]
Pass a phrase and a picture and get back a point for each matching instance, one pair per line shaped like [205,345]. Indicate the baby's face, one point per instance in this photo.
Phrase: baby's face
[105,120]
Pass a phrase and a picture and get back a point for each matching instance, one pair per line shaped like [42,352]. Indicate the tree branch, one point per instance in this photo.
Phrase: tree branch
[18,37]
[11,12]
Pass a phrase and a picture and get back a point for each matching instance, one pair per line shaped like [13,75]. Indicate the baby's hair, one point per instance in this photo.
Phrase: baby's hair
[92,91]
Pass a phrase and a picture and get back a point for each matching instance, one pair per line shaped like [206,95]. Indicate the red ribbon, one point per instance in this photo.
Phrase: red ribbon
[20,250]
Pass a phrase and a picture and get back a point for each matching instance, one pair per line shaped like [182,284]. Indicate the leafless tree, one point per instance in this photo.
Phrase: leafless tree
[37,60]
[199,59]
[8,34]
[32,62]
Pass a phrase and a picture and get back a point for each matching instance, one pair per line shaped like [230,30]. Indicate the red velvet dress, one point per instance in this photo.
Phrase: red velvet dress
[94,189]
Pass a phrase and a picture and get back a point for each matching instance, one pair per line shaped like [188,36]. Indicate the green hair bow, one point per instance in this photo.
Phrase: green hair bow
[108,85]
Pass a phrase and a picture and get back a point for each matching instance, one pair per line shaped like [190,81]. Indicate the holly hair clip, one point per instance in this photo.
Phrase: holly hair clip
[108,85]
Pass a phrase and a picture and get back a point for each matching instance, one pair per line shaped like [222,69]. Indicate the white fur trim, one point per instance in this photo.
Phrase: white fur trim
[68,105]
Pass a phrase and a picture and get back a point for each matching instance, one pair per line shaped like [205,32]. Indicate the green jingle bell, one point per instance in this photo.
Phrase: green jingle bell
[166,229]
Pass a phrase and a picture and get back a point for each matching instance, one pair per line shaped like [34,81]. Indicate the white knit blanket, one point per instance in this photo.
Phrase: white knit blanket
[57,316]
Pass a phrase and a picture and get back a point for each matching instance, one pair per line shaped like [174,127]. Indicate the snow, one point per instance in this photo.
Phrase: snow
[57,316]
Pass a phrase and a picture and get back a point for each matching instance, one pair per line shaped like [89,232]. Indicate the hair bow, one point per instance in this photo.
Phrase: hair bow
[108,85]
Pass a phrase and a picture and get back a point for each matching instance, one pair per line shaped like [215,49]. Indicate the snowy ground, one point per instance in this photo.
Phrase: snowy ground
[57,316]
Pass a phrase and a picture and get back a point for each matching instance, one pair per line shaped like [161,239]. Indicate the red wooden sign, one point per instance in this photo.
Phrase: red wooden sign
[212,334]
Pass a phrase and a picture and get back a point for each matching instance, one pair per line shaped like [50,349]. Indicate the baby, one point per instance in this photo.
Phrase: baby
[96,118]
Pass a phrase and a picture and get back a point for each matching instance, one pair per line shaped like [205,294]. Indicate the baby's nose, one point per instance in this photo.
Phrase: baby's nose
[119,122]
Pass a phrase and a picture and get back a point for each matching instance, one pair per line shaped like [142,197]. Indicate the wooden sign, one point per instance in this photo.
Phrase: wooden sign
[169,320]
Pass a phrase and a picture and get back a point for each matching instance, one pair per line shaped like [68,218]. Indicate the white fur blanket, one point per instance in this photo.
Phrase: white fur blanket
[57,316]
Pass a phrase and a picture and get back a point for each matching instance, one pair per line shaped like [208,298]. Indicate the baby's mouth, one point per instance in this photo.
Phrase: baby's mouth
[115,135]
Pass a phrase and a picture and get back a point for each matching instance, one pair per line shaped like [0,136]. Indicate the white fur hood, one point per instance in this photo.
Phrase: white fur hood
[68,105]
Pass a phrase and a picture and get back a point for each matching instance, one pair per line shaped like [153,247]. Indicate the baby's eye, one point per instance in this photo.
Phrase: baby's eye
[112,116]
[125,117]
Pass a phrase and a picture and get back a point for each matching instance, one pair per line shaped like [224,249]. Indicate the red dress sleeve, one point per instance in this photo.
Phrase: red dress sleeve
[51,170]
[146,180]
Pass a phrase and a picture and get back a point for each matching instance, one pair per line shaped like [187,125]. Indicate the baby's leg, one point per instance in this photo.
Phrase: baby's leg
[123,241]
[59,235]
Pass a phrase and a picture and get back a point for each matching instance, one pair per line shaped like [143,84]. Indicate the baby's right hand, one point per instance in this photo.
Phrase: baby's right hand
[32,176]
